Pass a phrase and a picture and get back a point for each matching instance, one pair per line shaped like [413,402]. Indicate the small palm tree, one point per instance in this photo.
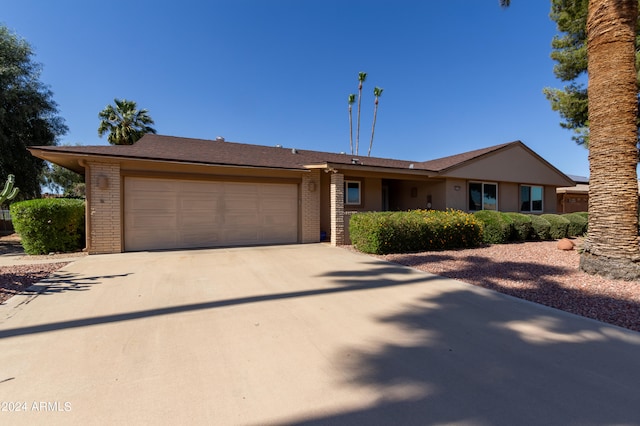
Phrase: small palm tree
[377,92]
[125,123]
[352,99]
[362,76]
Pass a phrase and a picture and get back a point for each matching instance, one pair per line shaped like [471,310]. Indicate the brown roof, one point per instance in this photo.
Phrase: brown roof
[216,152]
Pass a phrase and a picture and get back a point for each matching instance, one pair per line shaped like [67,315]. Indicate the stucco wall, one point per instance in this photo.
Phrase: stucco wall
[515,164]
[508,197]
[549,204]
[412,195]
[456,194]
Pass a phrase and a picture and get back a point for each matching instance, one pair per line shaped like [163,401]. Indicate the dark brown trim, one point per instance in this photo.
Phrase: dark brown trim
[210,178]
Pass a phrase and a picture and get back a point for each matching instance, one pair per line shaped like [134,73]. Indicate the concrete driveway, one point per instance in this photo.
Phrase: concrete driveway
[304,334]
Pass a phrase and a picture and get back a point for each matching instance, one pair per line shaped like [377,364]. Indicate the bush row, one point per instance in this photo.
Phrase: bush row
[422,230]
[49,225]
[500,228]
[414,231]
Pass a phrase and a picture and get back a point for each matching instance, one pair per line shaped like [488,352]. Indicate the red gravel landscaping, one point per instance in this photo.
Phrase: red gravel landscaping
[538,272]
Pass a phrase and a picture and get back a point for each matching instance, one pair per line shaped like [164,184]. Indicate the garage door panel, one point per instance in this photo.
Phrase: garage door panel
[165,213]
[154,205]
[153,238]
[279,235]
[194,203]
[199,239]
[239,237]
[155,221]
[276,220]
[235,203]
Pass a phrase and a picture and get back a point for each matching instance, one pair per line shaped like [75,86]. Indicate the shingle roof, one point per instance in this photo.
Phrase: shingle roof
[216,152]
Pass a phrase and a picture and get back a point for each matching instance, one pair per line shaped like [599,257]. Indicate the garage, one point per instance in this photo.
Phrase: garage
[175,213]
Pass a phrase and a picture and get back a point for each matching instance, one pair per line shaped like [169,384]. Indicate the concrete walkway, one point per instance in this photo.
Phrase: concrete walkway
[304,334]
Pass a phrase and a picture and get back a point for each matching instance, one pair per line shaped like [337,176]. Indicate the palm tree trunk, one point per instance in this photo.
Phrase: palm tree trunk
[358,119]
[373,126]
[611,247]
[350,129]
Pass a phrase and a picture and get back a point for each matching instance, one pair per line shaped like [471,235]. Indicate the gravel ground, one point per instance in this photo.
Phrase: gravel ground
[16,279]
[538,272]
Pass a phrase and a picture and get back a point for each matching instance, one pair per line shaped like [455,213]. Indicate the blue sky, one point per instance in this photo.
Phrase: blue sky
[457,74]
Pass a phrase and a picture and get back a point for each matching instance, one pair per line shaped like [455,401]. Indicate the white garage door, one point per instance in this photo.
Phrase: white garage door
[169,213]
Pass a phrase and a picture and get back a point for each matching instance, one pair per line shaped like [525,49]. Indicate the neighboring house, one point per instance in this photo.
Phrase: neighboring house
[167,192]
[575,198]
[571,199]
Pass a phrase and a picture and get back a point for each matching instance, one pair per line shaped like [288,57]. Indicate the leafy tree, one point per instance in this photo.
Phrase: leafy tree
[67,182]
[377,92]
[570,54]
[125,123]
[28,114]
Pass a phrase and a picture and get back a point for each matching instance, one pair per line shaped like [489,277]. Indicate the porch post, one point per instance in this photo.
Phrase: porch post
[337,209]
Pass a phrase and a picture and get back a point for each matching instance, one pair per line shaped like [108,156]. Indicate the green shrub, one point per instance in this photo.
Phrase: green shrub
[49,224]
[559,225]
[577,224]
[414,231]
[540,228]
[520,226]
[583,214]
[497,226]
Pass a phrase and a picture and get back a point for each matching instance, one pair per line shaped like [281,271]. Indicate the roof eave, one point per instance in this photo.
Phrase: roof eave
[51,156]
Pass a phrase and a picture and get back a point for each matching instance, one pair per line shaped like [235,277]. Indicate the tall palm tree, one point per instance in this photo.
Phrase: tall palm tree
[377,92]
[125,123]
[352,99]
[362,76]
[611,247]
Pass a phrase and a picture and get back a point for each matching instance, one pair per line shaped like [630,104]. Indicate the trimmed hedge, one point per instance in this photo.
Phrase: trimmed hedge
[521,227]
[540,228]
[497,226]
[583,214]
[414,231]
[559,225]
[577,224]
[49,224]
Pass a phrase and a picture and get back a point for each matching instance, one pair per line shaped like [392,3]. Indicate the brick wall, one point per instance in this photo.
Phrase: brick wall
[104,208]
[337,209]
[310,205]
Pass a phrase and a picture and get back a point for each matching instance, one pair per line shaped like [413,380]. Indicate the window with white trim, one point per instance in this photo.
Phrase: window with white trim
[531,198]
[483,196]
[352,192]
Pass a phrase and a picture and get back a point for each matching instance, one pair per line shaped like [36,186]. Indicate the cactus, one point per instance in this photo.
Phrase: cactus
[9,192]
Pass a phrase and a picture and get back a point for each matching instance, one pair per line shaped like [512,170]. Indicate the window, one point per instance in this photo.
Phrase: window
[352,192]
[531,198]
[483,196]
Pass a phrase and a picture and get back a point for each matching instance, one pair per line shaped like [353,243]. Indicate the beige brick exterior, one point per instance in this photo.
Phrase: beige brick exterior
[310,207]
[337,209]
[104,209]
